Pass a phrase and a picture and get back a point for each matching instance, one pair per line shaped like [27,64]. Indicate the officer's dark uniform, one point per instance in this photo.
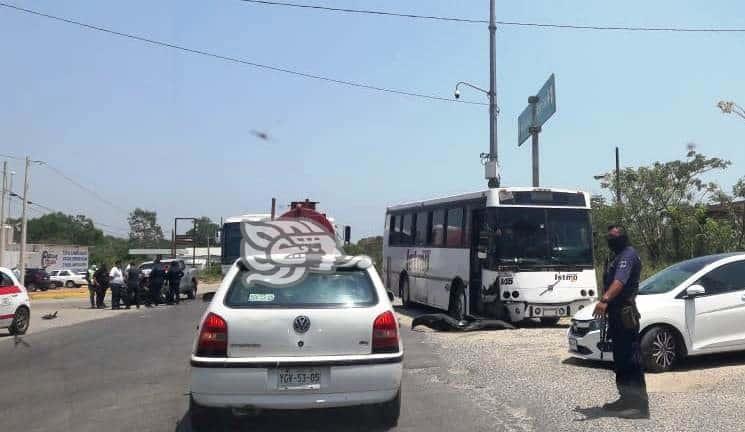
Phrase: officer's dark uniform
[626,268]
[133,286]
[102,284]
[156,283]
[174,281]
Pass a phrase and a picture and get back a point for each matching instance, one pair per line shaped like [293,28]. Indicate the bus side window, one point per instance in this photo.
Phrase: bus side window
[407,237]
[438,227]
[392,235]
[422,228]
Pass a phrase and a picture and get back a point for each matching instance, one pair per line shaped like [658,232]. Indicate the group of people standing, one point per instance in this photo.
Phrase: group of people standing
[127,287]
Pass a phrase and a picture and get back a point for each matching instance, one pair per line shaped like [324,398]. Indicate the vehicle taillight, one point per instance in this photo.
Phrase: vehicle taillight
[213,337]
[385,334]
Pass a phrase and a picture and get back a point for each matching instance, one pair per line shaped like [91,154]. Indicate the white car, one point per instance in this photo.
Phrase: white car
[331,340]
[690,308]
[66,277]
[15,307]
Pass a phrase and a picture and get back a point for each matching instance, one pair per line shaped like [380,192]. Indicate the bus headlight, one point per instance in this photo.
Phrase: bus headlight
[515,294]
[506,294]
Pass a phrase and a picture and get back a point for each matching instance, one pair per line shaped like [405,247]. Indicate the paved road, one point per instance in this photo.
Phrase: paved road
[130,372]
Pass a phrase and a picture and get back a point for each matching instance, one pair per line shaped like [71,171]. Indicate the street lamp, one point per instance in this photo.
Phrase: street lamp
[729,107]
[488,159]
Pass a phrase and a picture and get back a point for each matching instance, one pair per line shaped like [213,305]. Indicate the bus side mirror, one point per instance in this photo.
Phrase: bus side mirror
[347,234]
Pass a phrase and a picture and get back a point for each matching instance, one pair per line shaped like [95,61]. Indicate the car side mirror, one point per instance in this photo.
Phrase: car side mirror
[390,296]
[695,291]
[207,297]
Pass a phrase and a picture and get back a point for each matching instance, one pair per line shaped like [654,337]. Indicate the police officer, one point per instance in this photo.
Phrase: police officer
[132,276]
[621,283]
[174,276]
[101,276]
[157,274]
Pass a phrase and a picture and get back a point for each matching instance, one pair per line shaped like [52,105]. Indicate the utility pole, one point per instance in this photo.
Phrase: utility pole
[2,212]
[618,179]
[493,163]
[24,217]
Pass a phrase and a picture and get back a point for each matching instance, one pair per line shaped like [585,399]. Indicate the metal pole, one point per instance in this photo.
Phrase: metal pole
[618,179]
[24,222]
[2,212]
[194,244]
[536,182]
[493,110]
[274,207]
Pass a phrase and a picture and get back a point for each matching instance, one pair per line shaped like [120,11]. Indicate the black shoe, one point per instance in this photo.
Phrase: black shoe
[634,413]
[618,405]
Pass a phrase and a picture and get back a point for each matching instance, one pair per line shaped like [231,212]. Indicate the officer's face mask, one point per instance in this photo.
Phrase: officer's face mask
[617,243]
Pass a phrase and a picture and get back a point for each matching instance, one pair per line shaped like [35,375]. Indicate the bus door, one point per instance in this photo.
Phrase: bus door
[477,260]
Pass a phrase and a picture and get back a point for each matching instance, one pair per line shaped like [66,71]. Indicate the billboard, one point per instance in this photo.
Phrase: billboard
[58,257]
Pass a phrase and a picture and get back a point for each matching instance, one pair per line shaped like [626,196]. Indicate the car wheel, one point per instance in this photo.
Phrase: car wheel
[205,418]
[405,293]
[660,349]
[390,411]
[32,287]
[457,306]
[70,284]
[21,321]
[550,321]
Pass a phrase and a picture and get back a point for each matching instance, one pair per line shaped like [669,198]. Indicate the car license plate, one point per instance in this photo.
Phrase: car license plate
[572,344]
[298,378]
[549,312]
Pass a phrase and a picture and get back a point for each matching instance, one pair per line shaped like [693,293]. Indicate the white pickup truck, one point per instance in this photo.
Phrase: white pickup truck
[189,282]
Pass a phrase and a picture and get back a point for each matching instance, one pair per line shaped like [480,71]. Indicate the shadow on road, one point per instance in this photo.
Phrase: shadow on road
[702,362]
[593,413]
[326,420]
[593,364]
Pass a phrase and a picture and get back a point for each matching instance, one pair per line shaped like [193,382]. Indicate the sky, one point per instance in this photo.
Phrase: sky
[152,127]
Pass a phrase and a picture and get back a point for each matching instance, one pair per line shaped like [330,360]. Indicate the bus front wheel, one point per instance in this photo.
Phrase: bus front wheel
[457,307]
[405,293]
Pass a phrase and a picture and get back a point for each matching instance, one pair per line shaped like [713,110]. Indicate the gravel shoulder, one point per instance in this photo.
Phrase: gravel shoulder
[528,374]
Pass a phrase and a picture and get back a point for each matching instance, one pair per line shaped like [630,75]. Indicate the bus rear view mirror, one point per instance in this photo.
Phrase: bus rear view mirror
[347,234]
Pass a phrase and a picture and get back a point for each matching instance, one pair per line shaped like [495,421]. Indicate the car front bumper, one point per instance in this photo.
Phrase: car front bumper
[257,387]
[587,345]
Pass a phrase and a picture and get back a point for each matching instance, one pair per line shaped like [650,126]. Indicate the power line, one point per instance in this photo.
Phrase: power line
[35,206]
[240,61]
[504,23]
[85,188]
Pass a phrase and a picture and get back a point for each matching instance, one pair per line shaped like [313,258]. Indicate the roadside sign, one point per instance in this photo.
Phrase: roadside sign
[538,112]
[546,105]
[524,122]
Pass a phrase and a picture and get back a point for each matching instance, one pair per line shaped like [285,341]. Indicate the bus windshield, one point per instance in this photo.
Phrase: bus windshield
[540,236]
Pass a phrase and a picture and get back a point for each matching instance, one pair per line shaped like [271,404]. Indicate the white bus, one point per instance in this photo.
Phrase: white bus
[505,253]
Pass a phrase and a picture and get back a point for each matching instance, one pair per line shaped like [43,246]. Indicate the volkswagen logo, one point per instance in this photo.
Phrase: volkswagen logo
[301,324]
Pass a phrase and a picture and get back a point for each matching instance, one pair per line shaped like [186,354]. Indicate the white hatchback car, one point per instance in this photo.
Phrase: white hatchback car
[15,307]
[331,340]
[690,308]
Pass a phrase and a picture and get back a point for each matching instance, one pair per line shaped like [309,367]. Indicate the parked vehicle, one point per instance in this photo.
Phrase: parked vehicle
[15,307]
[37,279]
[330,340]
[189,281]
[67,278]
[690,308]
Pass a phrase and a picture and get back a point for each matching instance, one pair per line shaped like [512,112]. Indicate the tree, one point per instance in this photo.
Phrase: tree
[205,229]
[144,230]
[662,202]
[59,228]
[370,246]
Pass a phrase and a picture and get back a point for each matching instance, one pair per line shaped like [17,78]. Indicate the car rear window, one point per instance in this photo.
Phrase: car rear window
[341,289]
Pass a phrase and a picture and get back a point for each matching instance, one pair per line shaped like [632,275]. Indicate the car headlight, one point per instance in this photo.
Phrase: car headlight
[594,325]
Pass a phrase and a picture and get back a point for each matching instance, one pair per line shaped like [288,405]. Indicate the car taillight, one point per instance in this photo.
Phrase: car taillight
[213,337]
[385,334]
